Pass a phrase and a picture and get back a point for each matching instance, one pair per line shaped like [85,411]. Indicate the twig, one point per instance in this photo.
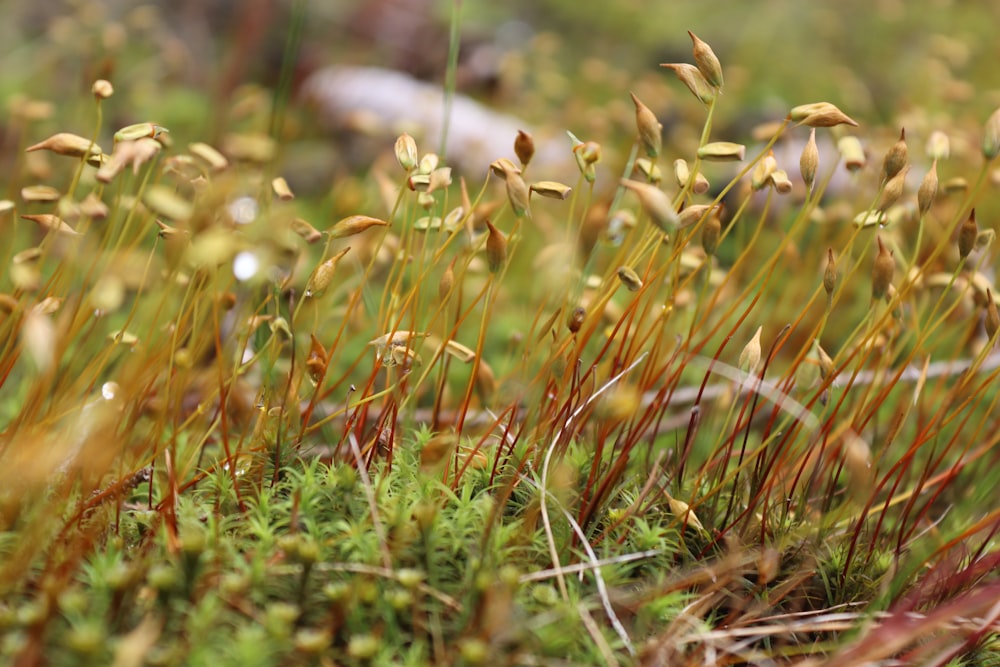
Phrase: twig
[683,397]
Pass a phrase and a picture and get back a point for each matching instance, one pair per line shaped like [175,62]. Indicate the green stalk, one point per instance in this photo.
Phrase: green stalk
[450,72]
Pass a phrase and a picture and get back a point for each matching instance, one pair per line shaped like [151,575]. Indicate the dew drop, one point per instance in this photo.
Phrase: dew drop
[245,265]
[109,390]
[243,210]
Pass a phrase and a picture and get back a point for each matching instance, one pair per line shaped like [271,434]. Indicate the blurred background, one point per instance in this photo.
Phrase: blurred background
[550,65]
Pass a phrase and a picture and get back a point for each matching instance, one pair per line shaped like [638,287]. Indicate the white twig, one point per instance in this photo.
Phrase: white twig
[594,565]
[553,550]
[584,567]
[366,482]
[911,373]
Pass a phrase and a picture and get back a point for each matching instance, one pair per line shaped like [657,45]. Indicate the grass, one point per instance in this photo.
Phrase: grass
[440,419]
